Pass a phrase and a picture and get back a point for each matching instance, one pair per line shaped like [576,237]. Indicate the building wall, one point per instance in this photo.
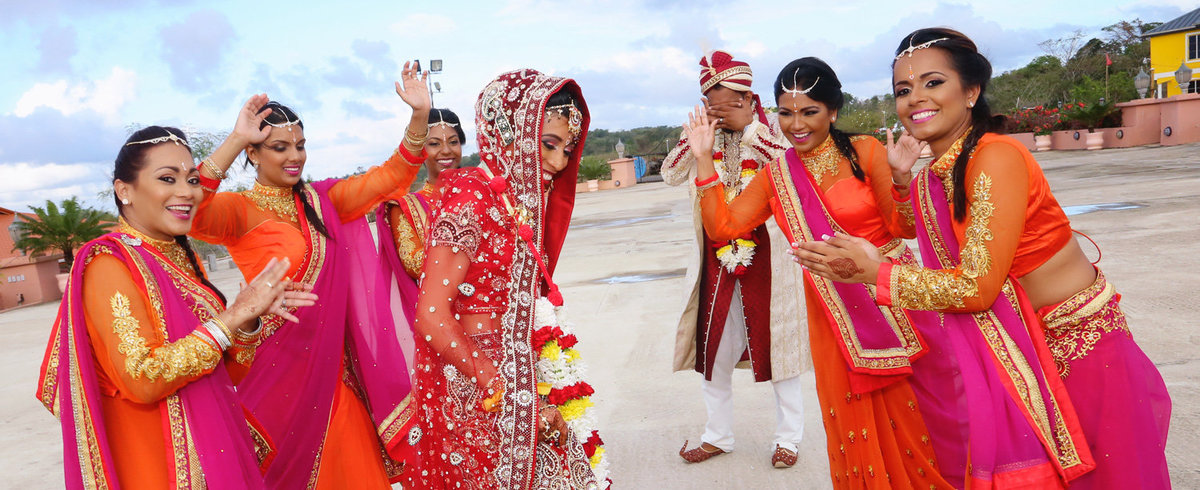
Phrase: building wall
[1166,52]
[19,274]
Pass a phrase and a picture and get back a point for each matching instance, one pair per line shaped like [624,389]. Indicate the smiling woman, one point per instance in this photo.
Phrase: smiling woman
[144,354]
[337,427]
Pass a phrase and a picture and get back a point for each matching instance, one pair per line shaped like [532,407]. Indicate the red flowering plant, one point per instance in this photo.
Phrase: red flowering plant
[1038,120]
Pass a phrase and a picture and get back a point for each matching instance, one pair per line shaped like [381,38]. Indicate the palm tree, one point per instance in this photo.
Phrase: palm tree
[64,230]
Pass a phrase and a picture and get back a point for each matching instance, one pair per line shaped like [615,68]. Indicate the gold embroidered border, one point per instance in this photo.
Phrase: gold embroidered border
[789,200]
[1074,328]
[314,260]
[186,357]
[91,459]
[396,420]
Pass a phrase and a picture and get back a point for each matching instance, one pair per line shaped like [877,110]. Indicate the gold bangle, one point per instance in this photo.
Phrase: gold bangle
[223,327]
[213,171]
[248,339]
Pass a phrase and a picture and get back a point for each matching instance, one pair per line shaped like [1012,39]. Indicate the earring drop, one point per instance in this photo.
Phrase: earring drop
[125,202]
[971,104]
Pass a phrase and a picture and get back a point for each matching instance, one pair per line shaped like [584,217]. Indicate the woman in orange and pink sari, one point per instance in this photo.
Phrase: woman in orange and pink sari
[1002,266]
[144,353]
[331,388]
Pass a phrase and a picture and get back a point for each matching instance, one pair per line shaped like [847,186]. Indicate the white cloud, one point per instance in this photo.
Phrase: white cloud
[26,177]
[105,97]
[422,25]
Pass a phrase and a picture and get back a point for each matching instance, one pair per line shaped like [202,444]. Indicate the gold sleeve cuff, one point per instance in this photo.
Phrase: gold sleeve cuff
[187,357]
[918,288]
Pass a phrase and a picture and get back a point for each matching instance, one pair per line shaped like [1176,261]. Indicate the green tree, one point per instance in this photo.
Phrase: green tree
[62,229]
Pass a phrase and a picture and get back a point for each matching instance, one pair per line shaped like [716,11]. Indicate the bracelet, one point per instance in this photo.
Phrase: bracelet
[213,171]
[413,141]
[897,184]
[217,333]
[248,339]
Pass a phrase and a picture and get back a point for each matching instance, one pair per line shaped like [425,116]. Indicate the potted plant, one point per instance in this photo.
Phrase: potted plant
[1091,116]
[592,169]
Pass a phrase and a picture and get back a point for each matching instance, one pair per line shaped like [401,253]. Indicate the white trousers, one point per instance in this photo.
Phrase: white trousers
[718,393]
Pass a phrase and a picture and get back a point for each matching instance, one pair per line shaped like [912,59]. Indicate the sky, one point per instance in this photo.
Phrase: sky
[79,73]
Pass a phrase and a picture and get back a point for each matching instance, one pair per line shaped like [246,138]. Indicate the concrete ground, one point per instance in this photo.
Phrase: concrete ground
[622,276]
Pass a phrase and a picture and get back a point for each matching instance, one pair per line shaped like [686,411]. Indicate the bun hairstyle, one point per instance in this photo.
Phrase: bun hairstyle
[438,116]
[820,83]
[129,163]
[282,116]
[974,70]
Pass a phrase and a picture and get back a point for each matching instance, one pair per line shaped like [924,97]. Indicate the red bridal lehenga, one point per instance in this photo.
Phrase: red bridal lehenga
[488,296]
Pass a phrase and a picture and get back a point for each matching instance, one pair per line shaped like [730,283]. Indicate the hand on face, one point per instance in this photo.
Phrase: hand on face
[841,258]
[162,200]
[414,90]
[903,154]
[701,133]
[732,110]
[246,130]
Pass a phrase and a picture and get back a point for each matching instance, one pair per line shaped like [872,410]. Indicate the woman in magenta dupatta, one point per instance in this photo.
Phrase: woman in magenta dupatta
[1002,265]
[142,361]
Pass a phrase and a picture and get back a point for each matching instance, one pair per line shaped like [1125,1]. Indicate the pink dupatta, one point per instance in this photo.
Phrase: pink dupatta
[298,367]
[207,428]
[878,343]
[1021,425]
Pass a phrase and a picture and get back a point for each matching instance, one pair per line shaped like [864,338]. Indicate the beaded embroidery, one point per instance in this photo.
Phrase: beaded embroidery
[822,160]
[278,200]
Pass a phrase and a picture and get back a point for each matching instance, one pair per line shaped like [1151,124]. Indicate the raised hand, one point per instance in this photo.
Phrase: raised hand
[249,120]
[701,133]
[902,155]
[414,90]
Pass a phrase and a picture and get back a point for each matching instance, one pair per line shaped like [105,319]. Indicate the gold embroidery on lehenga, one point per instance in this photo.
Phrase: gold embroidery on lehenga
[1075,326]
[411,254]
[189,356]
[916,288]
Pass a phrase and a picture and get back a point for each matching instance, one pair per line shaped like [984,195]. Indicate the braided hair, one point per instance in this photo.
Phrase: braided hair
[130,161]
[803,73]
[280,115]
[974,70]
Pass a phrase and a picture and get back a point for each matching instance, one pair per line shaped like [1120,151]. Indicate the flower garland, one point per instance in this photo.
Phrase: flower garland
[736,255]
[560,380]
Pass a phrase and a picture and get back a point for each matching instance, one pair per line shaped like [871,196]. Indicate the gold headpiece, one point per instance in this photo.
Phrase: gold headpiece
[154,141]
[574,117]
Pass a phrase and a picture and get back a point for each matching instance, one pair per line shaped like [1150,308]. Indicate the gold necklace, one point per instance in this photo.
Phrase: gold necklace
[945,163]
[170,248]
[278,200]
[822,160]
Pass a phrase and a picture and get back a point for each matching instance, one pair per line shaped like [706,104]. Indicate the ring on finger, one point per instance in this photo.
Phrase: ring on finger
[283,303]
[269,285]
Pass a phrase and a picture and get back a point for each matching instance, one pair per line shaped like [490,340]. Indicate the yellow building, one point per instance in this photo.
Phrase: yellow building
[1172,44]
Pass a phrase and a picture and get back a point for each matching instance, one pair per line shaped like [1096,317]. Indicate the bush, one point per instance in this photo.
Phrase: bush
[593,167]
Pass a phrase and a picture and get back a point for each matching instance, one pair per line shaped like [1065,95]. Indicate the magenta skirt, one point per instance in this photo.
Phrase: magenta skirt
[1118,393]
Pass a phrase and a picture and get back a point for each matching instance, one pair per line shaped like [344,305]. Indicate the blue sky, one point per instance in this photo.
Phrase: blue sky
[78,73]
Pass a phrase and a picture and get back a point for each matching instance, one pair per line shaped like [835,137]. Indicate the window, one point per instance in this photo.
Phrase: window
[1193,87]
[1162,90]
[1193,46]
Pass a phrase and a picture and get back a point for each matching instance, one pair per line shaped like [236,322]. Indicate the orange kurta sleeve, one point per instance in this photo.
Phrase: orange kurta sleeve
[355,196]
[727,221]
[897,214]
[220,217]
[997,195]
[142,366]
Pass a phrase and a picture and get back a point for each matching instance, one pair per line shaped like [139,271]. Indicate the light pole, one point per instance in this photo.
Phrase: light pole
[1182,76]
[435,67]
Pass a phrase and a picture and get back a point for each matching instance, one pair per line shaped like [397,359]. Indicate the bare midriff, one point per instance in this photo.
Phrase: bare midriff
[1067,272]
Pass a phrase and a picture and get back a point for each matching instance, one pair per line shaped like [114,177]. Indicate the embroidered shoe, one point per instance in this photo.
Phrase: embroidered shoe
[783,457]
[698,454]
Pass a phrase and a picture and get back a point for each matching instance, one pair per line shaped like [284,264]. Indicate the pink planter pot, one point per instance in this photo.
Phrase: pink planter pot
[1095,140]
[1041,142]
